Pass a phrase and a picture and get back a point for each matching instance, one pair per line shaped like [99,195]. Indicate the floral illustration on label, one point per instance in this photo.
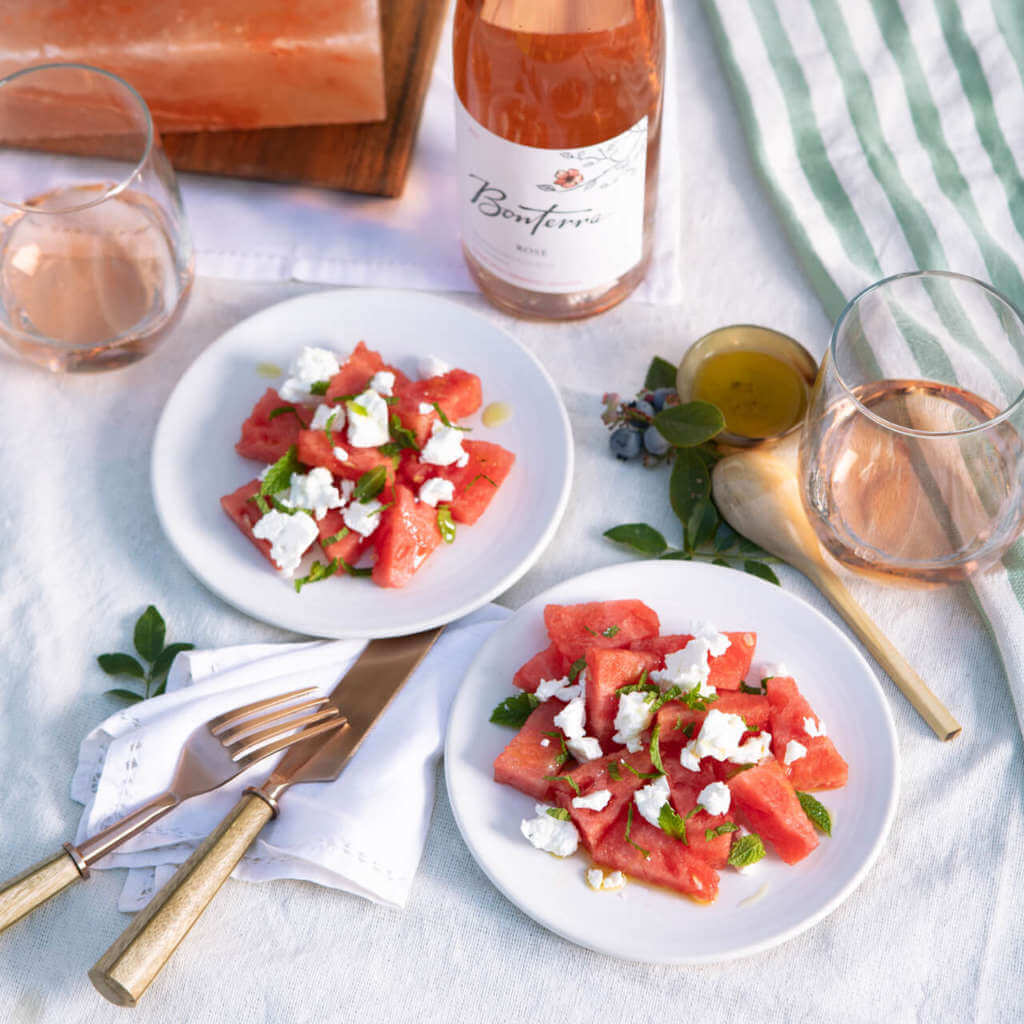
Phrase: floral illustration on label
[569,178]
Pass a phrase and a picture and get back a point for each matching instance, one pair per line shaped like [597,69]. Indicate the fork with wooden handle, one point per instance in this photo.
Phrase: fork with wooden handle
[213,754]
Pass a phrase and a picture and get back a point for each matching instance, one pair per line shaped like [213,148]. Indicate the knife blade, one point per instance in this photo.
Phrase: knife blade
[128,967]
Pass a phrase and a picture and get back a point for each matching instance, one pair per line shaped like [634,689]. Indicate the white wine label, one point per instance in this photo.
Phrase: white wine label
[551,220]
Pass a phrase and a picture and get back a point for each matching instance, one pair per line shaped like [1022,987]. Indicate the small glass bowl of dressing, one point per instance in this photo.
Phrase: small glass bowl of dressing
[760,379]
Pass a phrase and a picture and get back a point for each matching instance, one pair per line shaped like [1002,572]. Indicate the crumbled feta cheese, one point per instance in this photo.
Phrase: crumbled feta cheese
[345,489]
[368,421]
[289,535]
[545,742]
[431,366]
[633,716]
[613,880]
[435,490]
[362,517]
[340,454]
[550,834]
[715,798]
[596,801]
[426,408]
[720,736]
[560,689]
[794,751]
[651,798]
[757,748]
[309,366]
[690,666]
[688,759]
[584,748]
[595,878]
[813,728]
[328,417]
[383,382]
[314,490]
[444,447]
[572,719]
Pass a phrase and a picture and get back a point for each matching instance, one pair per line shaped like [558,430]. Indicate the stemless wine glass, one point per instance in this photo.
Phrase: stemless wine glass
[911,459]
[95,253]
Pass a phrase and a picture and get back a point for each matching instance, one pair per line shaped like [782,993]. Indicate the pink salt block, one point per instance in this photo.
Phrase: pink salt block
[216,64]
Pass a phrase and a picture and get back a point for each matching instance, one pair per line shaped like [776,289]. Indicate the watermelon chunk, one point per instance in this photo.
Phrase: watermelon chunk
[475,484]
[245,514]
[767,800]
[728,670]
[548,664]
[675,716]
[408,533]
[525,762]
[574,628]
[348,548]
[823,767]
[268,439]
[314,449]
[607,670]
[457,392]
[355,373]
[685,786]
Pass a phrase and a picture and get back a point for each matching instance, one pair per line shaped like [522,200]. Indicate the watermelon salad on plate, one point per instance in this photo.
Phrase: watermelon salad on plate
[365,464]
[607,754]
[502,486]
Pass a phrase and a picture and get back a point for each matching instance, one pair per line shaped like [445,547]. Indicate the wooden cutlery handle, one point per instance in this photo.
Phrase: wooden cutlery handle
[913,687]
[28,890]
[125,971]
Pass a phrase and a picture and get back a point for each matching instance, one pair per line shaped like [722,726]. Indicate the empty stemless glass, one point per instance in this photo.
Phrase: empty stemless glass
[95,253]
[912,460]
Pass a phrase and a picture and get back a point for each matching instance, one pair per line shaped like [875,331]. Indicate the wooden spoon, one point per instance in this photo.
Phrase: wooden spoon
[757,493]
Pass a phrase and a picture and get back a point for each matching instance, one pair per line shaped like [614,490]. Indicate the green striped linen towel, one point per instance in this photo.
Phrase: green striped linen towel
[890,134]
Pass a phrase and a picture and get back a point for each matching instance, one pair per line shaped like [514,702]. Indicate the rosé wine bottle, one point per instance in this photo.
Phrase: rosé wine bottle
[558,119]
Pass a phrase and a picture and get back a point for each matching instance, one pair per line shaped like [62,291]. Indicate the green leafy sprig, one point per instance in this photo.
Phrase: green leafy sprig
[688,428]
[150,644]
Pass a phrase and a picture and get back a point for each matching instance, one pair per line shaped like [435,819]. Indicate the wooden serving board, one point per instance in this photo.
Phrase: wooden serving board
[370,158]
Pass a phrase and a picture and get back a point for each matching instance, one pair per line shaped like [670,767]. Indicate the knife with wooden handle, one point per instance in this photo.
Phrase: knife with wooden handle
[128,967]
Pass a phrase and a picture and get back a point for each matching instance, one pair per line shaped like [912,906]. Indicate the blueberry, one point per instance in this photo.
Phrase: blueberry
[654,442]
[625,443]
[642,407]
[659,397]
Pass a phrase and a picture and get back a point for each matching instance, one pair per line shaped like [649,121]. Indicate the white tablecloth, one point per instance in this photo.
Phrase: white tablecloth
[934,934]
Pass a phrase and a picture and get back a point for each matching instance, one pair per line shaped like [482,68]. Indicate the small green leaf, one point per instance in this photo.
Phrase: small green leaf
[479,476]
[150,631]
[696,701]
[564,753]
[752,689]
[559,812]
[762,571]
[319,387]
[660,374]
[672,693]
[447,422]
[702,524]
[576,668]
[128,695]
[514,711]
[370,484]
[610,632]
[655,749]
[689,485]
[445,524]
[335,537]
[121,665]
[690,424]
[159,691]
[404,437]
[724,829]
[725,537]
[671,823]
[629,829]
[817,812]
[279,476]
[317,571]
[568,779]
[676,556]
[163,660]
[746,850]
[359,410]
[722,562]
[613,771]
[351,570]
[639,774]
[644,539]
[283,410]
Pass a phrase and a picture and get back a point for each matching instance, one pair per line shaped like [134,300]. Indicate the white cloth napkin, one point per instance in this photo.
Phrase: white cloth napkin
[253,230]
[363,833]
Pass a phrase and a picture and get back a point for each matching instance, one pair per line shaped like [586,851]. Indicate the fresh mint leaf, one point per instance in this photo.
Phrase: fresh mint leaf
[129,695]
[687,728]
[655,750]
[639,774]
[690,424]
[610,632]
[317,571]
[288,510]
[817,812]
[514,711]
[444,419]
[696,701]
[445,524]
[746,850]
[162,663]
[319,387]
[576,668]
[672,693]
[150,632]
[644,539]
[563,755]
[479,476]
[629,829]
[370,484]
[559,812]
[568,779]
[335,537]
[721,830]
[671,823]
[351,570]
[279,476]
[744,688]
[660,374]
[359,410]
[762,571]
[121,665]
[283,410]
[404,437]
[613,771]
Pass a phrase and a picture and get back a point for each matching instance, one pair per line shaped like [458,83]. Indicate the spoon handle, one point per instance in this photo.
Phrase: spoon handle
[912,686]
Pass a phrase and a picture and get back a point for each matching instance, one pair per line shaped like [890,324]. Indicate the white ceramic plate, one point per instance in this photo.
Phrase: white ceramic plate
[753,912]
[195,463]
